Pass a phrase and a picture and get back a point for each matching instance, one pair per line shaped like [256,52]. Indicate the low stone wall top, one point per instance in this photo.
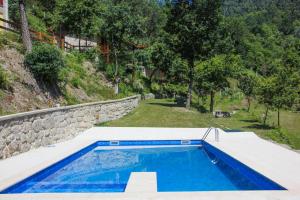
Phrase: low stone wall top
[24,131]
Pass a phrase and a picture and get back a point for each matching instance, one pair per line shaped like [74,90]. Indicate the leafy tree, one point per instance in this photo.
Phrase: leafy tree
[286,90]
[237,32]
[161,57]
[291,53]
[263,51]
[78,17]
[247,83]
[212,75]
[266,93]
[127,26]
[115,31]
[278,91]
[192,25]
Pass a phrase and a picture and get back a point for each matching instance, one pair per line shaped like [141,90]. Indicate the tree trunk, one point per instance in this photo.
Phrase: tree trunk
[266,115]
[212,101]
[79,44]
[152,74]
[24,27]
[249,103]
[278,117]
[116,73]
[191,77]
[133,76]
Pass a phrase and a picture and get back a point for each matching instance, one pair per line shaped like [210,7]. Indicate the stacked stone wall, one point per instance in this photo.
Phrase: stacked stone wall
[24,131]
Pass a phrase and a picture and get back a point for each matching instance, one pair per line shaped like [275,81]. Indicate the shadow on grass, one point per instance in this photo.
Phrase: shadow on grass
[259,126]
[249,120]
[166,104]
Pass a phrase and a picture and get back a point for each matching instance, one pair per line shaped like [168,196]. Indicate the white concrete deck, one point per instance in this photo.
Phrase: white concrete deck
[275,162]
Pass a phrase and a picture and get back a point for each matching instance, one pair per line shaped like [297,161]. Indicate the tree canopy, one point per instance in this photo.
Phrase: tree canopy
[189,47]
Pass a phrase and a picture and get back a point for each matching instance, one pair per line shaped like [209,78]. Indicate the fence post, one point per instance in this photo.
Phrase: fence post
[39,35]
[62,43]
[79,44]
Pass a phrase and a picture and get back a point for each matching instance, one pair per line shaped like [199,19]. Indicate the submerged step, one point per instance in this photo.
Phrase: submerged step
[142,182]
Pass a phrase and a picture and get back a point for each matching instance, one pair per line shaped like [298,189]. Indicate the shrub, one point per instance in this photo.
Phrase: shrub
[100,63]
[110,71]
[155,88]
[138,86]
[91,54]
[77,56]
[75,82]
[6,38]
[4,79]
[3,40]
[36,23]
[45,62]
[125,89]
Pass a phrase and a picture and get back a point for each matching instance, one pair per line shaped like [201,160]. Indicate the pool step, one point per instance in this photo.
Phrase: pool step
[142,182]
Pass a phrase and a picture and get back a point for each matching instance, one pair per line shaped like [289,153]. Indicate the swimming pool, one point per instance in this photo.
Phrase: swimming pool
[191,165]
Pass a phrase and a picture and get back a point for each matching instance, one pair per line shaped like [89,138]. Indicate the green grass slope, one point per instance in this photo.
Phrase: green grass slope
[164,113]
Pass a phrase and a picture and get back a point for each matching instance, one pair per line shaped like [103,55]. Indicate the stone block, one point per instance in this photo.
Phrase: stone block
[37,125]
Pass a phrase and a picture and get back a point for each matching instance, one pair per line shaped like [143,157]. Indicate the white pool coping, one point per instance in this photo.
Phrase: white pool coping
[277,163]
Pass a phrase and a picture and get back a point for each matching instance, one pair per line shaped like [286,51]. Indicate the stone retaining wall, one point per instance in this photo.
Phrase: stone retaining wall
[24,131]
[149,96]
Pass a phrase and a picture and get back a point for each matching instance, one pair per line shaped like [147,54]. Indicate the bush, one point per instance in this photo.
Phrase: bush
[125,89]
[36,23]
[4,79]
[91,54]
[110,71]
[9,39]
[45,62]
[138,86]
[101,64]
[3,40]
[155,88]
[75,82]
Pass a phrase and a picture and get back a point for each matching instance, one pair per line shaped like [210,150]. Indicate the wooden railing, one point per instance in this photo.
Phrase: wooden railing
[53,39]
[13,26]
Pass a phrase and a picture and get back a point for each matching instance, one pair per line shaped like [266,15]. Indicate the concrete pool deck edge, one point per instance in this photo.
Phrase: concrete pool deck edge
[275,162]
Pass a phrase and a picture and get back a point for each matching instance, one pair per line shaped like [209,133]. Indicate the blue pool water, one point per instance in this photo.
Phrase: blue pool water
[180,168]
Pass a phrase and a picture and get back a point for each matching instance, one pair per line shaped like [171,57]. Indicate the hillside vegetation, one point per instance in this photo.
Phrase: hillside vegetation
[20,90]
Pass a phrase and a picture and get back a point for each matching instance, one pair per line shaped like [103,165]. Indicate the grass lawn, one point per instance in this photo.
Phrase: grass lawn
[165,113]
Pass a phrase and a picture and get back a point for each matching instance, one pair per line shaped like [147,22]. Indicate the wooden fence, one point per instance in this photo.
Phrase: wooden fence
[48,38]
[55,39]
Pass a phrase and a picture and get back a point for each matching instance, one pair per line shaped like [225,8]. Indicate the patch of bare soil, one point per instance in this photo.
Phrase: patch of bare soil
[102,78]
[27,93]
